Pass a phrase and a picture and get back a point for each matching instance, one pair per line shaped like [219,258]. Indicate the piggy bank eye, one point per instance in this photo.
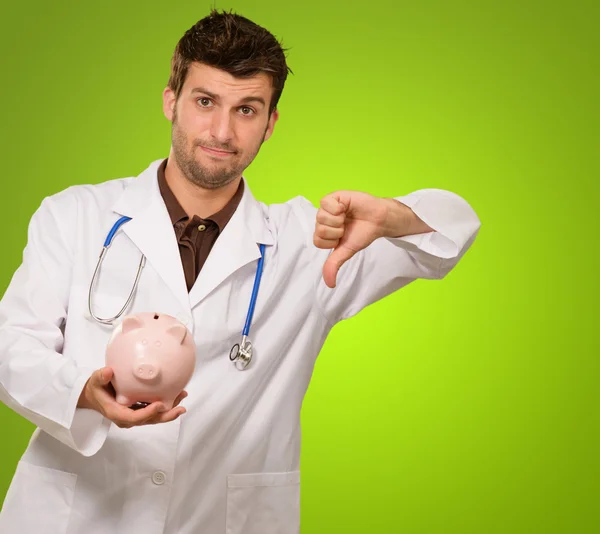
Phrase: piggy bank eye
[144,341]
[157,344]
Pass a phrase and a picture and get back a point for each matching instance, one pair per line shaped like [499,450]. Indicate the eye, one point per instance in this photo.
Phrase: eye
[204,101]
[246,110]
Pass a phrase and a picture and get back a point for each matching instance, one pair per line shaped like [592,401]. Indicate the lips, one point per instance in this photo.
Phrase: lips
[217,152]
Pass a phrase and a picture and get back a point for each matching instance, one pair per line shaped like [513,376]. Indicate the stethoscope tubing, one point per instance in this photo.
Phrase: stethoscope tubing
[109,321]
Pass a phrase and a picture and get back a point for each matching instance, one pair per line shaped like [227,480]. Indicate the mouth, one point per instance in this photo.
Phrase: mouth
[217,153]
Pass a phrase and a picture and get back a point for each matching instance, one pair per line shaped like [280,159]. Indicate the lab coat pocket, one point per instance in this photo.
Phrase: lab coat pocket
[39,500]
[263,503]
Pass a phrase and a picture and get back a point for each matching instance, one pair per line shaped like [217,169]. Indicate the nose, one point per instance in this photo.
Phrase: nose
[221,128]
[146,372]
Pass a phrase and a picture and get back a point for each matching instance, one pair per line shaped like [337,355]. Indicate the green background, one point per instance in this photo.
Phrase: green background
[468,405]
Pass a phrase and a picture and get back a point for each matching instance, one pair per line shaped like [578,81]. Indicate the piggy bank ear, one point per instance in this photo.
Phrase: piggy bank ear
[131,322]
[178,331]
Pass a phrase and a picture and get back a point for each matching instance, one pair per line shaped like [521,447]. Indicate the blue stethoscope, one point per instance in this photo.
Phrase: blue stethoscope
[241,353]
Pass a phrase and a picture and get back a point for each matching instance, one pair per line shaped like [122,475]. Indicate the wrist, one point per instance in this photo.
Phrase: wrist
[84,400]
[402,221]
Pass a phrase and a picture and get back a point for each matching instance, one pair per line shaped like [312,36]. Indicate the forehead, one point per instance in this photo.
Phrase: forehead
[224,84]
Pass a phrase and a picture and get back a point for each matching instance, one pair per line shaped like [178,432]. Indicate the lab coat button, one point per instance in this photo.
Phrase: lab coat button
[159,478]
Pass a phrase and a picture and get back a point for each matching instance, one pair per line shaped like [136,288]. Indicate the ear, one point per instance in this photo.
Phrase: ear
[272,120]
[169,103]
[131,322]
[178,331]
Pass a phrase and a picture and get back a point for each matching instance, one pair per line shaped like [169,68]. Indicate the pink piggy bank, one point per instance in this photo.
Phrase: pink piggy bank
[153,357]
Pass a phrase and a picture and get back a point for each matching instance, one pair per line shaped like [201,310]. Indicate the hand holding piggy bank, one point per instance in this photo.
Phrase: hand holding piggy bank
[153,357]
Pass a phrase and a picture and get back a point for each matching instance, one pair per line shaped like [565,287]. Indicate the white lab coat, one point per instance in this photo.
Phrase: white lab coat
[231,463]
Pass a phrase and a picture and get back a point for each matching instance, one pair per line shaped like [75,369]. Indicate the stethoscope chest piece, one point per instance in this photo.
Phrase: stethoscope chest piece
[241,354]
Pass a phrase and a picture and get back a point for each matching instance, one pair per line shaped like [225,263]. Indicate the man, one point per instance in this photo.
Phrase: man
[231,464]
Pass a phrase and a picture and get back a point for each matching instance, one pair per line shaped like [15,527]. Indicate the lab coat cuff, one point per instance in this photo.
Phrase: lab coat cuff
[86,429]
[452,219]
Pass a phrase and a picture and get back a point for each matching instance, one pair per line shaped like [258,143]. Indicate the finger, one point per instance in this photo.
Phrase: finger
[326,218]
[179,398]
[332,205]
[166,417]
[325,243]
[171,415]
[335,260]
[329,233]
[104,396]
[122,425]
[162,417]
[102,377]
[123,414]
[98,388]
[137,417]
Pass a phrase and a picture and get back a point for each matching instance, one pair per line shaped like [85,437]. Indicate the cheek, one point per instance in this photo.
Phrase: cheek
[192,125]
[253,136]
[199,122]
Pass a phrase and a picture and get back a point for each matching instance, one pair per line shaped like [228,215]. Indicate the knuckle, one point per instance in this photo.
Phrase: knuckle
[328,243]
[322,216]
[333,233]
[327,202]
[139,420]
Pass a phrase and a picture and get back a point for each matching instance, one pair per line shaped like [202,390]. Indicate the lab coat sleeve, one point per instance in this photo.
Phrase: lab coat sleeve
[389,264]
[36,380]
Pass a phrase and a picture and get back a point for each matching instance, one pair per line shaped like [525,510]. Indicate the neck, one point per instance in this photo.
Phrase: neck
[196,200]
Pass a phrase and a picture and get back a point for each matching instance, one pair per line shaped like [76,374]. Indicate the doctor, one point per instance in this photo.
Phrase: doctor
[231,463]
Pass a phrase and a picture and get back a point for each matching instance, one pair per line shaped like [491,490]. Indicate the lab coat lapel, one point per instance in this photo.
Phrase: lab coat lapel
[151,230]
[236,246]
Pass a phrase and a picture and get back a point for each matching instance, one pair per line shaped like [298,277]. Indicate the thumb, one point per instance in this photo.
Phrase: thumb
[103,376]
[336,259]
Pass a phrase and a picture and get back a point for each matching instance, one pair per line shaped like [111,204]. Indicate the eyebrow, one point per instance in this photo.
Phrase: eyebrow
[244,100]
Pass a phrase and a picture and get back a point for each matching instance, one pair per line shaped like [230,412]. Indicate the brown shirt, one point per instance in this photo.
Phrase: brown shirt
[195,236]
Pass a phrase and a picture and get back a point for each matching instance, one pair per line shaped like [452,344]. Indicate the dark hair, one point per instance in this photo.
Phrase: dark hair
[232,43]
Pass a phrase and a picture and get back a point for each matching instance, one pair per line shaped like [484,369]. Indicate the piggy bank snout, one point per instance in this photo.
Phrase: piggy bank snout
[146,372]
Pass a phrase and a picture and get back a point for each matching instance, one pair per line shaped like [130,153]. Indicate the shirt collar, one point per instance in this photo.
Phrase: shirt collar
[178,214]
